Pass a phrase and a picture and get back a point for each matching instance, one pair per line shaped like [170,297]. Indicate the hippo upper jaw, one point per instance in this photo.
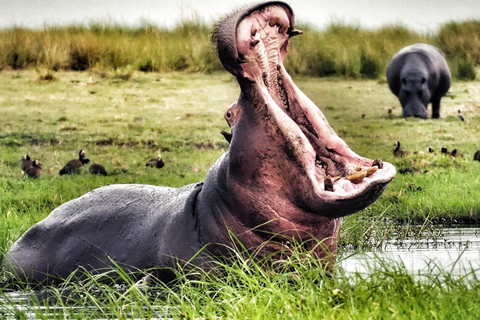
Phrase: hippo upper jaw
[282,143]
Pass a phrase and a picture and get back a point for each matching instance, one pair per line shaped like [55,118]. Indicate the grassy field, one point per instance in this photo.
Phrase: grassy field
[121,122]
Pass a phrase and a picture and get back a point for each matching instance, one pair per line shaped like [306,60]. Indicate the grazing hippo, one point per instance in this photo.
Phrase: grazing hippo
[417,75]
[273,185]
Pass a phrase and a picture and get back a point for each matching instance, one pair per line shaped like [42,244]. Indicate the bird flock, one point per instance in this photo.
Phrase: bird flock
[398,152]
[33,169]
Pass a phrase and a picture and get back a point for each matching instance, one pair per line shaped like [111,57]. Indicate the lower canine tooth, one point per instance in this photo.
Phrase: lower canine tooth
[357,176]
[371,170]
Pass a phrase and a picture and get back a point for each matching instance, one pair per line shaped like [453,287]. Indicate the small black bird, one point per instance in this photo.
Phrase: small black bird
[455,153]
[397,152]
[444,150]
[156,162]
[460,115]
[476,156]
[35,170]
[97,168]
[430,150]
[75,165]
[227,135]
[26,163]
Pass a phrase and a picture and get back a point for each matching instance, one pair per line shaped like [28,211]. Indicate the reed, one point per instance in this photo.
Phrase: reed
[340,50]
[297,287]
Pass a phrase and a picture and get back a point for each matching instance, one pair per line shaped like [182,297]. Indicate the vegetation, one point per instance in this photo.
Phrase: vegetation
[342,50]
[122,121]
[299,288]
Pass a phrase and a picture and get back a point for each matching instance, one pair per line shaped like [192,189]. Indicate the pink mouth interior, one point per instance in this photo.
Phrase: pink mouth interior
[262,40]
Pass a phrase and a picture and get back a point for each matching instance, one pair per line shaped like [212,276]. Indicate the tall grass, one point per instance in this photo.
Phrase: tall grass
[341,49]
[297,288]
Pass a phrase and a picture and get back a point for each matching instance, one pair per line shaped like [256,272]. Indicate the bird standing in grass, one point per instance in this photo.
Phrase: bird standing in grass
[35,170]
[397,152]
[97,168]
[455,153]
[26,163]
[476,156]
[75,165]
[156,162]
[460,115]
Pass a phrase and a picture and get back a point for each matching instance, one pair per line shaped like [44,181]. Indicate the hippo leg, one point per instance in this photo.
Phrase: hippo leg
[436,109]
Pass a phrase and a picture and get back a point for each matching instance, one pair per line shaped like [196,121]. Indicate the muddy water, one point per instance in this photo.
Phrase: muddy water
[455,251]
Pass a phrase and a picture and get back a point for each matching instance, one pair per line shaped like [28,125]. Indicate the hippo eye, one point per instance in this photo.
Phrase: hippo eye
[228,115]
[419,93]
[423,80]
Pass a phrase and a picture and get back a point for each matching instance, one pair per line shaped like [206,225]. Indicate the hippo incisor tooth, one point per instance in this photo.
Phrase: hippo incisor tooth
[336,178]
[274,21]
[357,176]
[371,170]
[358,168]
[378,163]
[328,183]
[282,29]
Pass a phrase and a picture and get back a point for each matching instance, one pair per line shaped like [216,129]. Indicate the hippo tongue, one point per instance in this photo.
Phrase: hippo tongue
[315,152]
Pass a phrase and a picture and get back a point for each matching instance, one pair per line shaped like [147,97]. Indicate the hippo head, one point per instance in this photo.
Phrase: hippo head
[283,153]
[414,94]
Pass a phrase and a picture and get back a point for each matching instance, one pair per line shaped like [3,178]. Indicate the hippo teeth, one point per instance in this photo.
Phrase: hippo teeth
[315,151]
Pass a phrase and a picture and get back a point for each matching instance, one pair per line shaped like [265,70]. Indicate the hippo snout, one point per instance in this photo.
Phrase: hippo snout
[415,113]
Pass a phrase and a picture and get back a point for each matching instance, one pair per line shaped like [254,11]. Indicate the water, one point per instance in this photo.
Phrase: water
[454,250]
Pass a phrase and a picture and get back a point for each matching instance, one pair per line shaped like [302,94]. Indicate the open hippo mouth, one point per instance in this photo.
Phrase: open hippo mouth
[329,177]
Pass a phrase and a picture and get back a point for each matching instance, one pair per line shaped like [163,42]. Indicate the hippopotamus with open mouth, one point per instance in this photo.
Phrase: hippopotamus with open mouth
[418,75]
[287,176]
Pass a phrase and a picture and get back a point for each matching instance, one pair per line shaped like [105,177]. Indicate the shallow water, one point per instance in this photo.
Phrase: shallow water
[455,251]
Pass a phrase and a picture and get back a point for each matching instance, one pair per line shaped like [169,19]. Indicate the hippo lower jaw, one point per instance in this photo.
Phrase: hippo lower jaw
[330,179]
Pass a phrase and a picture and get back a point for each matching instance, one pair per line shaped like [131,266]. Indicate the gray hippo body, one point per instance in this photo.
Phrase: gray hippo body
[418,75]
[273,185]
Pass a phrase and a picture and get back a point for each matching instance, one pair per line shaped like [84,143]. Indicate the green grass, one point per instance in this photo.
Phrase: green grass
[340,50]
[122,122]
[299,288]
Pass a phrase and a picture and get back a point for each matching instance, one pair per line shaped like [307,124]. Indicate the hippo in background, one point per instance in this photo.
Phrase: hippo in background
[418,74]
